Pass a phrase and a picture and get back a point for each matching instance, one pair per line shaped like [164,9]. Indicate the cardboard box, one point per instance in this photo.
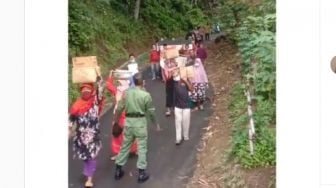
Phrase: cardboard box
[87,61]
[85,74]
[187,72]
[181,61]
[179,47]
[85,69]
[171,53]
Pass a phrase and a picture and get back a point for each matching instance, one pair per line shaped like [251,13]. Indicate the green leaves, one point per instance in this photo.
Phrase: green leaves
[253,30]
[107,29]
[255,41]
[173,16]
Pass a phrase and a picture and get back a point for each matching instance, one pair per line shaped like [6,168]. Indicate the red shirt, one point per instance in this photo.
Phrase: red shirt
[154,56]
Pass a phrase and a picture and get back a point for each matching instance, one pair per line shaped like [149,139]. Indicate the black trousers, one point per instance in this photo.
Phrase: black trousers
[207,36]
[170,93]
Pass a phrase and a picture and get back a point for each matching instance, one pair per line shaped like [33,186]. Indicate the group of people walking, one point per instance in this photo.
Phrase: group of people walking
[202,33]
[133,103]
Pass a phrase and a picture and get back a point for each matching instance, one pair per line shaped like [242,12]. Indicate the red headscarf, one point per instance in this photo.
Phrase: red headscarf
[81,106]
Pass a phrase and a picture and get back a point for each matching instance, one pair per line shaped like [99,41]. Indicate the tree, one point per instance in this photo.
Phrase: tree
[137,9]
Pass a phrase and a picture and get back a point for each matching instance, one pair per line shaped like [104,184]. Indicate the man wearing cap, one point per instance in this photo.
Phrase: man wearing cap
[137,103]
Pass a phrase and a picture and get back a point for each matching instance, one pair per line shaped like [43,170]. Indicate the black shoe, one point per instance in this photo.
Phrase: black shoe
[143,176]
[119,173]
[178,142]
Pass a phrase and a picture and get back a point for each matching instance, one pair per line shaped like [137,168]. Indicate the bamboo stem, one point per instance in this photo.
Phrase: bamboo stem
[251,129]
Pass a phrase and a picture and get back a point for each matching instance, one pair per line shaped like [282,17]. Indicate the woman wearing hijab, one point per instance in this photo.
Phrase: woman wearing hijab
[118,92]
[200,83]
[201,53]
[84,113]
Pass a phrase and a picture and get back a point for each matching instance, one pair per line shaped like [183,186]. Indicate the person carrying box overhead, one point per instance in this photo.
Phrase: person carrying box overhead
[84,119]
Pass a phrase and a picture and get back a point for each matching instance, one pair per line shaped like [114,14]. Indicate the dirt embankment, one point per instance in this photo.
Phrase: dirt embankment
[214,169]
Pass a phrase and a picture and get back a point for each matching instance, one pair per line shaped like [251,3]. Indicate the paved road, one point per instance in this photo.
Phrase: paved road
[169,165]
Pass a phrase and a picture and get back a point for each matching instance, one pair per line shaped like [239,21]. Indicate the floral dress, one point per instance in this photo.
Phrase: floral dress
[86,142]
[200,82]
[199,93]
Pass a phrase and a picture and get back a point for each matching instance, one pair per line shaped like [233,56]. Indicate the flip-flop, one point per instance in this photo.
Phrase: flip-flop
[113,158]
[194,109]
[168,113]
[88,185]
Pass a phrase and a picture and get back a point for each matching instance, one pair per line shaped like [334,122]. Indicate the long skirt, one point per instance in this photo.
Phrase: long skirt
[198,95]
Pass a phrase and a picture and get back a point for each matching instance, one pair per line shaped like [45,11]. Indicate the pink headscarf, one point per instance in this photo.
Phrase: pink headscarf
[200,75]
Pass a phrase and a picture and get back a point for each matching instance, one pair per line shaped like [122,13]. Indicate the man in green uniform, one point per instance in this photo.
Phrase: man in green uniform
[137,103]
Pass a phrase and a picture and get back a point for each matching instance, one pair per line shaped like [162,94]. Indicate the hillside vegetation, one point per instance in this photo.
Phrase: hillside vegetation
[109,29]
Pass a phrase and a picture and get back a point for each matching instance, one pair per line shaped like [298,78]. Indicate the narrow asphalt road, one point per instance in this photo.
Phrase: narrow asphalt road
[169,165]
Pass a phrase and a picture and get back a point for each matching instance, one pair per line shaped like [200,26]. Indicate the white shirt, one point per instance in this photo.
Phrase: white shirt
[162,63]
[133,67]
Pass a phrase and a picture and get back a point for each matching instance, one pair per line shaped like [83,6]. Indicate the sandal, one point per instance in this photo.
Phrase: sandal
[194,109]
[88,184]
[113,158]
[168,113]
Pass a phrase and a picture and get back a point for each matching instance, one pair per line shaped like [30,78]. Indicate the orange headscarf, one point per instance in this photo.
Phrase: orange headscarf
[81,106]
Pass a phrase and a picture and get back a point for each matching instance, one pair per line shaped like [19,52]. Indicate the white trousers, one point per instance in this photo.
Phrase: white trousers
[182,123]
